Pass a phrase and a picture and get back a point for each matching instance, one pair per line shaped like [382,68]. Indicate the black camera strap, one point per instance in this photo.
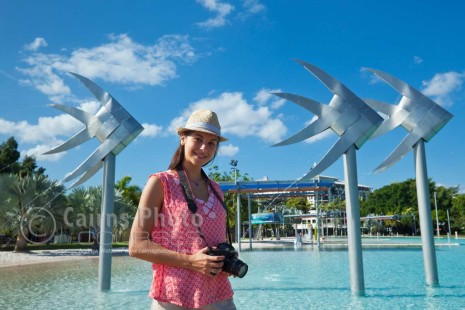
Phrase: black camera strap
[192,205]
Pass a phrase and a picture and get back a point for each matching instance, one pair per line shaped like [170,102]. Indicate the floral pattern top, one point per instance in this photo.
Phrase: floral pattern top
[175,229]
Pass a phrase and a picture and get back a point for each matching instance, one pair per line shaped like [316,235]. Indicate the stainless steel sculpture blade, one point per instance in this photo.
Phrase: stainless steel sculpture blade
[347,115]
[93,160]
[401,150]
[88,174]
[316,127]
[331,157]
[92,124]
[418,114]
[112,125]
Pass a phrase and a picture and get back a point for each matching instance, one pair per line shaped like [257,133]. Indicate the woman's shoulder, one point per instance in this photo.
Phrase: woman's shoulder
[167,177]
[168,174]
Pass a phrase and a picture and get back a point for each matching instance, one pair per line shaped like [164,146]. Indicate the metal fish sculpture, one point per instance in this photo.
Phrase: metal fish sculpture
[418,114]
[112,125]
[347,115]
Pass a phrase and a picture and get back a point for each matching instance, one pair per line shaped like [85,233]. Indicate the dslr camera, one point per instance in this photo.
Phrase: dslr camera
[231,263]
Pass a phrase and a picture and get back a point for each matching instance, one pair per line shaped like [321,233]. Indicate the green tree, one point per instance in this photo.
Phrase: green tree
[401,198]
[29,207]
[299,203]
[457,213]
[131,193]
[29,166]
[9,160]
[9,156]
[84,207]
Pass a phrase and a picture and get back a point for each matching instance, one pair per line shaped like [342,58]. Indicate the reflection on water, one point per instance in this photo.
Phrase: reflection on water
[284,279]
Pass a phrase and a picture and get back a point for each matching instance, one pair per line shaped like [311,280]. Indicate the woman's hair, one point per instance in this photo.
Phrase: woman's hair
[177,158]
[178,155]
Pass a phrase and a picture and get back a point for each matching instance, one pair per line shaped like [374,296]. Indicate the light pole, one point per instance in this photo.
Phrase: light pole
[233,163]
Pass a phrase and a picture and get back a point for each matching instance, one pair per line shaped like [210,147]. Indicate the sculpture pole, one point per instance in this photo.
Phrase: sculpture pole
[426,220]
[106,223]
[422,118]
[354,239]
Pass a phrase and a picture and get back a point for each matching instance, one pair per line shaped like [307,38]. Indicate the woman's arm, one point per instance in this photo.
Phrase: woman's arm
[142,247]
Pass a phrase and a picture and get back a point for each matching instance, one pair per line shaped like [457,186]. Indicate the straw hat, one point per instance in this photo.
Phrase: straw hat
[205,121]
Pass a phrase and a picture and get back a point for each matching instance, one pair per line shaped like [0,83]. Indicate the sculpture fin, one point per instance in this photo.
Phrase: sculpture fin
[400,86]
[93,159]
[101,95]
[401,150]
[331,83]
[308,104]
[84,117]
[77,139]
[89,173]
[339,148]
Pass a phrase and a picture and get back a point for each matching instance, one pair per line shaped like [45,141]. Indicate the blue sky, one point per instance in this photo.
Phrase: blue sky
[163,59]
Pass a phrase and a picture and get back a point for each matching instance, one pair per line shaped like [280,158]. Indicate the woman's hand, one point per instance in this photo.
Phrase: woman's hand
[206,264]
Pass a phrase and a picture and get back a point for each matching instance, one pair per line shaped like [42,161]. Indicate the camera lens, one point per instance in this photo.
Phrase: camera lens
[242,270]
[236,267]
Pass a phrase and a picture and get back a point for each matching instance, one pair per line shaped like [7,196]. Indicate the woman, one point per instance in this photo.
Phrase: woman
[173,238]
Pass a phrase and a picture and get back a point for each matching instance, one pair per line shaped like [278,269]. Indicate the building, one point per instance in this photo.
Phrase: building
[321,189]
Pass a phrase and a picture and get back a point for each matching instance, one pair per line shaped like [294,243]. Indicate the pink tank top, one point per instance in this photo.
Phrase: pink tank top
[175,229]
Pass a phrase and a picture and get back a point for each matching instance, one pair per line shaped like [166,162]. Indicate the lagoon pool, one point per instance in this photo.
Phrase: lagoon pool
[282,278]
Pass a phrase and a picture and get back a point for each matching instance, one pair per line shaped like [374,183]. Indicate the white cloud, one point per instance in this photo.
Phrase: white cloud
[44,79]
[253,6]
[222,10]
[36,44]
[150,130]
[237,117]
[265,96]
[442,85]
[272,130]
[120,61]
[228,150]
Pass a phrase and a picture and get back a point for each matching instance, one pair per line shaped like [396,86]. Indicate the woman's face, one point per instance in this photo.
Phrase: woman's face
[199,147]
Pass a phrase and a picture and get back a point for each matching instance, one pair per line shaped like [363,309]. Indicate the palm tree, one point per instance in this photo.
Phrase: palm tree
[82,210]
[29,207]
[85,206]
[124,214]
[131,193]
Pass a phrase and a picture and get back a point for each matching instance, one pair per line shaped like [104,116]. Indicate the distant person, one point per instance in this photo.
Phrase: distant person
[173,238]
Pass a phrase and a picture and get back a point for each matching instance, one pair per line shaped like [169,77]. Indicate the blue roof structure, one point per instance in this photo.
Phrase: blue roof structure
[272,186]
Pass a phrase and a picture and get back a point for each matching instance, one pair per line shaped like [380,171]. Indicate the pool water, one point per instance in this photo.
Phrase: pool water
[283,278]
